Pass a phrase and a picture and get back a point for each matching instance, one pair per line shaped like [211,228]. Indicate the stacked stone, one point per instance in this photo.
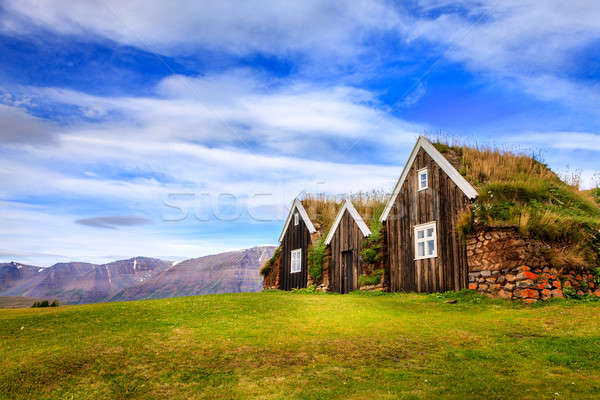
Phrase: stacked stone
[496,249]
[582,282]
[531,284]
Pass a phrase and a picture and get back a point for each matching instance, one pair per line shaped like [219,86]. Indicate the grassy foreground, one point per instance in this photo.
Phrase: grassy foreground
[292,346]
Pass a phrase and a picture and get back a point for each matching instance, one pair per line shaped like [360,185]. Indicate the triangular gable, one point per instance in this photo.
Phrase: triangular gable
[441,161]
[355,215]
[297,206]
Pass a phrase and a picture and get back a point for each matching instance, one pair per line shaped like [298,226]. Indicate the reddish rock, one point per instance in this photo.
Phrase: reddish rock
[567,284]
[545,294]
[509,286]
[510,278]
[557,284]
[557,293]
[483,286]
[524,268]
[526,275]
[505,294]
[578,277]
[597,293]
[580,293]
[592,285]
[530,293]
[529,301]
[472,286]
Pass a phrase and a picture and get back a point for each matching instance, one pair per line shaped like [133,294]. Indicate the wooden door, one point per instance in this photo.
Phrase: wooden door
[347,271]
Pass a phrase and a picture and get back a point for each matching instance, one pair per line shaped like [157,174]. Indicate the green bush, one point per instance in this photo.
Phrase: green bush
[267,267]
[42,303]
[316,260]
[372,245]
[371,279]
[312,289]
[570,293]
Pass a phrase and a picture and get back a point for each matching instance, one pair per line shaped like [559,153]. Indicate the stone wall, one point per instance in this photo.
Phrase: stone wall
[532,284]
[499,249]
[504,264]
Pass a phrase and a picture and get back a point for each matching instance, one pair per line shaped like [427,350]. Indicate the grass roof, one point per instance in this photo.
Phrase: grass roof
[516,189]
[322,209]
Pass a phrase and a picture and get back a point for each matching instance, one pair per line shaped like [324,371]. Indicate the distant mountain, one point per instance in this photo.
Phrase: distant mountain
[136,278]
[231,272]
[12,272]
[77,282]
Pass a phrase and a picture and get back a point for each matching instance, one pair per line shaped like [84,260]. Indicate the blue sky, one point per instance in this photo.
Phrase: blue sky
[185,128]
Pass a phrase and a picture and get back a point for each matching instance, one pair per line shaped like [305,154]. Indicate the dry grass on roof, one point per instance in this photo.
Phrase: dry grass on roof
[322,209]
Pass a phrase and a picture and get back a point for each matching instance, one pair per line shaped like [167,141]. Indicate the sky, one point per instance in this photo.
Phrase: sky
[185,128]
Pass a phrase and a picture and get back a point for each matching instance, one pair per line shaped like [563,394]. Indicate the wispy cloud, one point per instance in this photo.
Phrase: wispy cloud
[112,222]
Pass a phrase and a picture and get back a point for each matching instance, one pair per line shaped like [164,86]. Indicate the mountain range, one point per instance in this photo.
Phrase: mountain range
[137,278]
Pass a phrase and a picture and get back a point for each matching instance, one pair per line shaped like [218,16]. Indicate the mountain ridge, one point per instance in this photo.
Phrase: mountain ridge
[137,277]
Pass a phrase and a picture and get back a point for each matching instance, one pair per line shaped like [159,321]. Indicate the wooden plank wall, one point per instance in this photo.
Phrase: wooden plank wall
[443,202]
[348,236]
[296,237]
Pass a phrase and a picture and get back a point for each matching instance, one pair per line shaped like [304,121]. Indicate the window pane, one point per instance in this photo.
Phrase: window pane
[430,247]
[420,234]
[424,179]
[421,249]
[429,232]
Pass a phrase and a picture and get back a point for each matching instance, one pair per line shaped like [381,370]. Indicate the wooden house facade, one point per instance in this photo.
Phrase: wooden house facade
[294,241]
[425,251]
[345,241]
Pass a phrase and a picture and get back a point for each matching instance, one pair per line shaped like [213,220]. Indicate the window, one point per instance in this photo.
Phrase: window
[296,264]
[423,179]
[425,241]
[296,218]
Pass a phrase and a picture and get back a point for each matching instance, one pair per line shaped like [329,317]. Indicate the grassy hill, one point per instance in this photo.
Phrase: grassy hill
[294,346]
[516,189]
[16,301]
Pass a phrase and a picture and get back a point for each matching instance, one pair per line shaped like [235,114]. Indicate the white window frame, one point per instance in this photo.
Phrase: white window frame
[425,239]
[419,173]
[295,261]
[296,218]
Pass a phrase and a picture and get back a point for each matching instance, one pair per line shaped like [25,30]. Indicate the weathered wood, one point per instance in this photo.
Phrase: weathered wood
[347,238]
[296,237]
[442,202]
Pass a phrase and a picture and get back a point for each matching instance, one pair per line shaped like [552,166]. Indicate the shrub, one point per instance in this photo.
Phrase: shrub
[316,260]
[42,303]
[312,289]
[570,293]
[371,279]
[372,245]
[54,303]
[267,267]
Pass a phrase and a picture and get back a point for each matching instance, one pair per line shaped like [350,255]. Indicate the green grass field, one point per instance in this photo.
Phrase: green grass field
[297,346]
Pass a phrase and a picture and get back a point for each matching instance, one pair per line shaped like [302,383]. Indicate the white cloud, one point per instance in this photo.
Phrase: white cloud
[186,141]
[320,29]
[533,43]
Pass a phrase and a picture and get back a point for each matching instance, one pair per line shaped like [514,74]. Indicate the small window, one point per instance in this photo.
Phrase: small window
[296,264]
[423,179]
[296,218]
[425,241]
